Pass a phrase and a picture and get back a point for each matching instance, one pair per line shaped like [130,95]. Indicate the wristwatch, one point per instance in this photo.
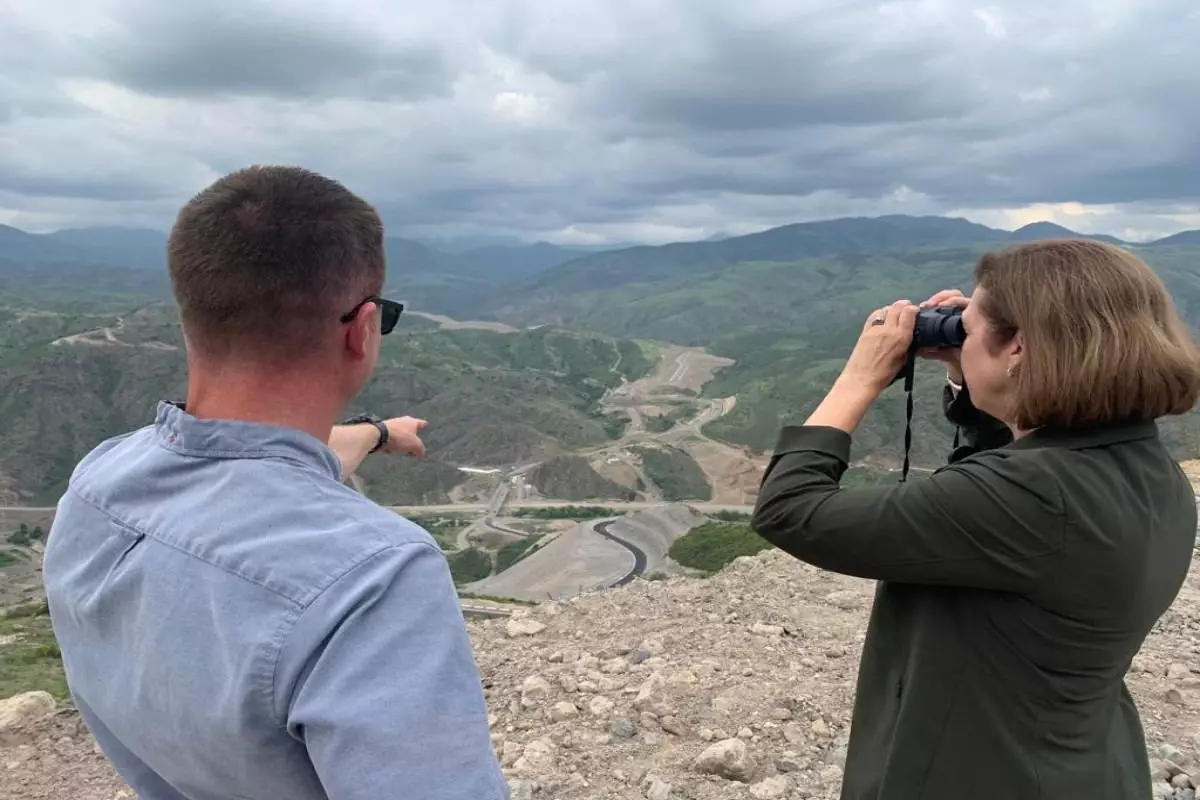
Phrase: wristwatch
[364,419]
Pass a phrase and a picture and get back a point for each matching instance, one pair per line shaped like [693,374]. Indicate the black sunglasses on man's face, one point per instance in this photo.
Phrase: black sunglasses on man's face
[389,313]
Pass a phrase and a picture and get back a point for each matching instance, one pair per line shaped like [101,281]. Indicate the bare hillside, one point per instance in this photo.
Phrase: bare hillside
[738,686]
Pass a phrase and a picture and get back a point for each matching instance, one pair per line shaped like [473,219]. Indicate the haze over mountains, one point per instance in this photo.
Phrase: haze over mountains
[784,306]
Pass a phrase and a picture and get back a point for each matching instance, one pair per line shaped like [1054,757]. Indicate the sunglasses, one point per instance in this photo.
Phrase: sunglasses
[389,313]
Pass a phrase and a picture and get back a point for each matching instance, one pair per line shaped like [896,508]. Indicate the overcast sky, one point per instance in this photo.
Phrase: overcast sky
[594,121]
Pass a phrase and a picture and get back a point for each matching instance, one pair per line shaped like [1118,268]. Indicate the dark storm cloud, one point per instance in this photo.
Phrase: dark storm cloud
[627,118]
[189,49]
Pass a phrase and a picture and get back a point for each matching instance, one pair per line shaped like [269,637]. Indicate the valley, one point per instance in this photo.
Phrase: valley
[638,380]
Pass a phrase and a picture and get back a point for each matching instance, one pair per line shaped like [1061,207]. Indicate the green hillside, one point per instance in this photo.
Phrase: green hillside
[786,304]
[492,399]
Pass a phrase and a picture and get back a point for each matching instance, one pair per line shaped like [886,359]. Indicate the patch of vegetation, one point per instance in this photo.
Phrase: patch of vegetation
[712,546]
[513,552]
[23,536]
[614,424]
[675,473]
[494,599]
[569,477]
[664,422]
[731,516]
[492,399]
[31,661]
[443,527]
[470,565]
[7,559]
[566,512]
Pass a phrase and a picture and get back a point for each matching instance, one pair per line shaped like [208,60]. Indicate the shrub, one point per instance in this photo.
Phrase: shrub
[712,546]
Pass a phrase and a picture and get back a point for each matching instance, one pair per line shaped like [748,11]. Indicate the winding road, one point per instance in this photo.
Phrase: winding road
[639,557]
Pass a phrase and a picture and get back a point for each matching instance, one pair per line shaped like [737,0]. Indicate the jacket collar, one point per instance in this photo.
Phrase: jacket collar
[1080,438]
[179,431]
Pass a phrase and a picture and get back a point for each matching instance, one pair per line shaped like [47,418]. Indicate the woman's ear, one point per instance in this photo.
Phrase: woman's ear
[1015,352]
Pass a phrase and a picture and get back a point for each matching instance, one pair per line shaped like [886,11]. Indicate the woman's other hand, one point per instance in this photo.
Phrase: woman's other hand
[882,347]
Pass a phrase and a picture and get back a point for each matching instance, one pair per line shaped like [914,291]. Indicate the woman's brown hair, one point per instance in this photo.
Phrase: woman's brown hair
[1102,340]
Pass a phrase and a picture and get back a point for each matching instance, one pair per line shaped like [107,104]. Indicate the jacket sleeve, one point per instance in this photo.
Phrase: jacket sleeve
[990,522]
[977,431]
[377,679]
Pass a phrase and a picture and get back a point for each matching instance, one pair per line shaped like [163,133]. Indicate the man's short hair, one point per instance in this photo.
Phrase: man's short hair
[265,261]
[1102,340]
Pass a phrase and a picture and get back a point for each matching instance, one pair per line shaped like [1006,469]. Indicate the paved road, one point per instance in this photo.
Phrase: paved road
[639,557]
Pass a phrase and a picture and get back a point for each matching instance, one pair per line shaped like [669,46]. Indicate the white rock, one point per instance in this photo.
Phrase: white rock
[770,788]
[794,734]
[563,711]
[728,759]
[521,789]
[653,696]
[614,666]
[21,709]
[600,706]
[846,600]
[653,645]
[722,705]
[763,629]
[656,789]
[538,757]
[523,627]
[510,753]
[683,678]
[1177,672]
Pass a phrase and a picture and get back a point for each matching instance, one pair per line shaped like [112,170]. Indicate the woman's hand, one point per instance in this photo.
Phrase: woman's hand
[877,358]
[948,356]
[882,347]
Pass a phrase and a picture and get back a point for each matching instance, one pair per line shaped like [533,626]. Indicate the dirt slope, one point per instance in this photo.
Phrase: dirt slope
[617,694]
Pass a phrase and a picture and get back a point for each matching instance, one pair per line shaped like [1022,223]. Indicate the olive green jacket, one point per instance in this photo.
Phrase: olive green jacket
[1015,585]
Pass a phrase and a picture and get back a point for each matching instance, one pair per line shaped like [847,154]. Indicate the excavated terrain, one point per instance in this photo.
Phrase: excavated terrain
[735,686]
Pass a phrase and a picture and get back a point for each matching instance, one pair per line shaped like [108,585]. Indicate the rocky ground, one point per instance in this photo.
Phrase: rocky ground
[738,686]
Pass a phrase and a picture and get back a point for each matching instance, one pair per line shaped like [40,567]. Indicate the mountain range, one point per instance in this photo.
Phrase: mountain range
[144,248]
[785,305]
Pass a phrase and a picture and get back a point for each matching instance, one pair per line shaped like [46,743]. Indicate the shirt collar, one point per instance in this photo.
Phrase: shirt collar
[1076,439]
[183,433]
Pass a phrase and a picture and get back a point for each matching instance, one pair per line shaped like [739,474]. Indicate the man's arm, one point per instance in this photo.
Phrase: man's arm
[986,523]
[377,678]
[353,443]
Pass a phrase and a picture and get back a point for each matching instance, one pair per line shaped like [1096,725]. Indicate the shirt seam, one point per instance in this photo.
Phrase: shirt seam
[131,525]
[258,454]
[287,625]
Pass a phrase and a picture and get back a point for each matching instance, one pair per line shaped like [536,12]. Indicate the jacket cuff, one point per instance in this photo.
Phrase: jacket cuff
[832,442]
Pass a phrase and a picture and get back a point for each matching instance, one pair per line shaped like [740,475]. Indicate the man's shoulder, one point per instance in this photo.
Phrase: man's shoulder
[267,521]
[306,535]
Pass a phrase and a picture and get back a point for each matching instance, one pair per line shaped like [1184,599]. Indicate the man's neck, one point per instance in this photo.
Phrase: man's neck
[286,399]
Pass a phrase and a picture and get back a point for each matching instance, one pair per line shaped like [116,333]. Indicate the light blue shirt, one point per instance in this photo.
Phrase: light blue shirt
[237,623]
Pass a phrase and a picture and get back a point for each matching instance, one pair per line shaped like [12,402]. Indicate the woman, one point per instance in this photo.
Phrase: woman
[1017,583]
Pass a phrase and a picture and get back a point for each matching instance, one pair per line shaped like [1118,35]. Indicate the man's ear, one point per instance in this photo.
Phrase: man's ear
[360,330]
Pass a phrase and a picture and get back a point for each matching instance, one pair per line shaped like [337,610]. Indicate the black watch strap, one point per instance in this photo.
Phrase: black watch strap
[363,419]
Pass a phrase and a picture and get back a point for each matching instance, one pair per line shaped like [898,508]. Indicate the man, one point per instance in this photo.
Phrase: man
[234,620]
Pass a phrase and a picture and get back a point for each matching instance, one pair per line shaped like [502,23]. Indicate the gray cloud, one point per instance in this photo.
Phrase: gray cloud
[260,48]
[621,120]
